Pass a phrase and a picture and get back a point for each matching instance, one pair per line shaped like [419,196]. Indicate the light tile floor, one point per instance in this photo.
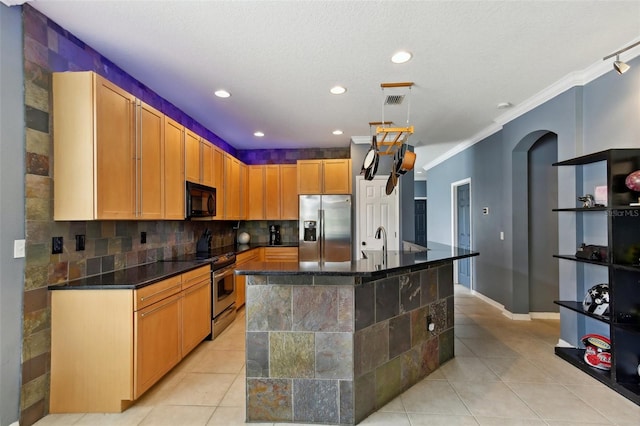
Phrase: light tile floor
[504,373]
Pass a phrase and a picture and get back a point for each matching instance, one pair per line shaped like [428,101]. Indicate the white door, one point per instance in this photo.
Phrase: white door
[375,208]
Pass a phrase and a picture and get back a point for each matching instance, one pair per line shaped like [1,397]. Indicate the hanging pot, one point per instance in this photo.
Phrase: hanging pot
[408,161]
[399,156]
[392,181]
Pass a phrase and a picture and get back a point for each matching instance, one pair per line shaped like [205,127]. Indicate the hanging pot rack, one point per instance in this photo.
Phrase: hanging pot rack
[391,137]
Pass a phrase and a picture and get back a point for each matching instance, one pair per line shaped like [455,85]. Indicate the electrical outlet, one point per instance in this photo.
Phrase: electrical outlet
[80,241]
[143,237]
[430,325]
[56,245]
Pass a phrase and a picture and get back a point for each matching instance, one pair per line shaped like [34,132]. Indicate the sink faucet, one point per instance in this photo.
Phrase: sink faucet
[382,231]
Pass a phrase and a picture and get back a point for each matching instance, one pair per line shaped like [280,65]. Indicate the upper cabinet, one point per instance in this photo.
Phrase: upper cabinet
[324,176]
[198,159]
[232,185]
[272,192]
[108,150]
[217,164]
[174,170]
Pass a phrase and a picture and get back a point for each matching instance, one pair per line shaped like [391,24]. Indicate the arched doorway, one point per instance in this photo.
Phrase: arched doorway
[534,195]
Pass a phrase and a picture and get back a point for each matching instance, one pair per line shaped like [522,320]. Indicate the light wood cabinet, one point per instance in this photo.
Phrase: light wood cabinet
[109,151]
[255,192]
[241,280]
[109,346]
[218,180]
[244,188]
[288,192]
[331,176]
[280,254]
[150,144]
[174,187]
[196,308]
[198,159]
[273,192]
[232,193]
[157,342]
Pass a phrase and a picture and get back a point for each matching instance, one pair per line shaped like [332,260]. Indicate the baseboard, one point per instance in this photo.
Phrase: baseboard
[563,344]
[545,315]
[516,317]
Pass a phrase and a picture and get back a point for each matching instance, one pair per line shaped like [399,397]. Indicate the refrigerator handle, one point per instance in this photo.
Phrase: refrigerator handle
[322,253]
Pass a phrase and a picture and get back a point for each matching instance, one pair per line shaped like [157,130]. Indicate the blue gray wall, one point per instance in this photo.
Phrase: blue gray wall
[11,210]
[602,114]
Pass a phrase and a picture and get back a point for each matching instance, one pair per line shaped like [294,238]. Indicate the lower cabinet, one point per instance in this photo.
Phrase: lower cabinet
[110,346]
[240,280]
[281,254]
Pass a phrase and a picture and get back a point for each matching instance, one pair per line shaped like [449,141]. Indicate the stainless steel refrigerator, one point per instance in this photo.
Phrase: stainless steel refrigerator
[324,228]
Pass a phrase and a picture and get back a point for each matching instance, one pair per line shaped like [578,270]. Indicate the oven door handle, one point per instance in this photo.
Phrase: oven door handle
[223,272]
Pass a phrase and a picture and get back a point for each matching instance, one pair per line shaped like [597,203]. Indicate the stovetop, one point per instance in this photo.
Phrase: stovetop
[218,260]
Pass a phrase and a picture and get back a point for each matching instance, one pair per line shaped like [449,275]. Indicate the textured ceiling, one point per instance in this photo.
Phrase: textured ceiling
[279,59]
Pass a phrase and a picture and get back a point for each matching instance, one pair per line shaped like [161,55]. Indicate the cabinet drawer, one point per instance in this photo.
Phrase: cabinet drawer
[280,254]
[155,292]
[196,276]
[247,256]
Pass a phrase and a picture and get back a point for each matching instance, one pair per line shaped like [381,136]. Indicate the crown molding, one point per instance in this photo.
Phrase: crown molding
[13,2]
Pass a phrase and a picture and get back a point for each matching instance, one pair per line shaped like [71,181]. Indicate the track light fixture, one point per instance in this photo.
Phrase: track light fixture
[618,65]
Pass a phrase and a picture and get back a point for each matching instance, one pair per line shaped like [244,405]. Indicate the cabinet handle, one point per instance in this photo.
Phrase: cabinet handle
[157,308]
[142,299]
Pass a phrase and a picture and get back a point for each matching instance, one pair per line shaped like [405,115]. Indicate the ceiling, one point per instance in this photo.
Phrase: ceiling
[280,58]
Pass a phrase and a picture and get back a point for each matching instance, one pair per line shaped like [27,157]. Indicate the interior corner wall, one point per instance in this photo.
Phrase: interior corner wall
[11,209]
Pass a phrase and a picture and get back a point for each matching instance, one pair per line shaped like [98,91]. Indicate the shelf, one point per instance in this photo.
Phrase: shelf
[631,268]
[580,260]
[577,307]
[575,357]
[607,155]
[582,209]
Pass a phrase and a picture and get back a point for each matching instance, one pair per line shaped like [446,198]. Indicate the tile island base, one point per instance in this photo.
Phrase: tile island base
[334,348]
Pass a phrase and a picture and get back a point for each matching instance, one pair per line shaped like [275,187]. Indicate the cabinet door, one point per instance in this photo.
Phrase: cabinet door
[206,157]
[115,152]
[218,180]
[280,254]
[192,156]
[232,187]
[244,195]
[309,176]
[288,192]
[272,191]
[196,314]
[256,190]
[337,176]
[157,342]
[150,167]
[174,186]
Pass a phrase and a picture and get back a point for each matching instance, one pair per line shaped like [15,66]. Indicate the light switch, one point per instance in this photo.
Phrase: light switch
[502,235]
[18,249]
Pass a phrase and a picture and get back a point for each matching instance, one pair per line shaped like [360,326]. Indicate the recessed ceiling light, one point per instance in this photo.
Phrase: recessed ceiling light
[222,93]
[504,105]
[258,134]
[401,57]
[338,90]
[337,132]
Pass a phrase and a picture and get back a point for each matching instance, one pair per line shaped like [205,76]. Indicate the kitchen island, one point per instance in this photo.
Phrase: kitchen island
[333,342]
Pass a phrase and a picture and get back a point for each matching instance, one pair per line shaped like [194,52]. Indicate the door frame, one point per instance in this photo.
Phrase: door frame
[357,253]
[454,225]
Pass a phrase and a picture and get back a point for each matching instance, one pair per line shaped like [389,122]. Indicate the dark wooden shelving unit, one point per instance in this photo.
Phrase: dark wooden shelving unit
[623,265]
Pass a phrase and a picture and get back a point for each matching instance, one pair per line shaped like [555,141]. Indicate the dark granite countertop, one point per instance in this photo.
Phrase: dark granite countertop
[130,278]
[371,266]
[144,275]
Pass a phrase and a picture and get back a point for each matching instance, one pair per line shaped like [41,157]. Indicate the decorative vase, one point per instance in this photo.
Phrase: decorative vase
[243,238]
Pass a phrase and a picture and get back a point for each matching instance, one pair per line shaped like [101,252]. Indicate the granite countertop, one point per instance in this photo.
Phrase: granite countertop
[144,275]
[372,265]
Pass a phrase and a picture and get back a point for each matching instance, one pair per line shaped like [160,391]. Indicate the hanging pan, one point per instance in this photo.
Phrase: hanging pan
[406,160]
[392,181]
[370,163]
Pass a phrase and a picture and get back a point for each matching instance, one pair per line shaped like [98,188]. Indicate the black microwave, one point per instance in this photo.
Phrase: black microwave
[201,200]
